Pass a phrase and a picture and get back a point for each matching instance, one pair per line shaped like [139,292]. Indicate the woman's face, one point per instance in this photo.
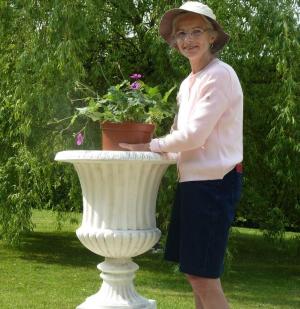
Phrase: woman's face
[191,40]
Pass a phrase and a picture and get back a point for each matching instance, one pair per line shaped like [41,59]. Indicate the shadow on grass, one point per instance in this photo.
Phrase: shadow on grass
[255,248]
[65,249]
[56,248]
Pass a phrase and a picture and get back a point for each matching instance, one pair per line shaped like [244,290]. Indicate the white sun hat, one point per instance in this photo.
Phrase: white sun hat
[166,24]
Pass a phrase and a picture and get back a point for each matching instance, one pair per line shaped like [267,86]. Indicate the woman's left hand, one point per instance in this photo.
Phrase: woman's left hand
[136,147]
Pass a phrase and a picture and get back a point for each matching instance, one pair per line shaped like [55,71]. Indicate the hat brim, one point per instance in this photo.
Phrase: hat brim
[166,28]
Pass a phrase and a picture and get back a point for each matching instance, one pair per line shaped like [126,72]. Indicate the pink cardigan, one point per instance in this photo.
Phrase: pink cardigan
[208,132]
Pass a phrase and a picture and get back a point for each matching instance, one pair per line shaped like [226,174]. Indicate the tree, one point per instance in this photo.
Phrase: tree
[48,45]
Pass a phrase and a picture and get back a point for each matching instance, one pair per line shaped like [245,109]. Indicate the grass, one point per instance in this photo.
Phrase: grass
[51,269]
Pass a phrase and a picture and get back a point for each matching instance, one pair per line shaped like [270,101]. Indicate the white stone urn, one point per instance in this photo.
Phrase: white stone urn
[119,191]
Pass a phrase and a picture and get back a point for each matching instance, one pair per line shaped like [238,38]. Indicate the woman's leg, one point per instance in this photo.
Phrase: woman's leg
[209,291]
[198,302]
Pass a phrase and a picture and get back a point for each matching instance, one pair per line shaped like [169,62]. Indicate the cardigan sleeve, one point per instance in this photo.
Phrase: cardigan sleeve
[210,103]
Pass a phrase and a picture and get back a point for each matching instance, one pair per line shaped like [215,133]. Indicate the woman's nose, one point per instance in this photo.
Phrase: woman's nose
[188,36]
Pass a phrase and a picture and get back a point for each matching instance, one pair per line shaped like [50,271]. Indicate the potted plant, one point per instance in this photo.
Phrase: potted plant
[128,112]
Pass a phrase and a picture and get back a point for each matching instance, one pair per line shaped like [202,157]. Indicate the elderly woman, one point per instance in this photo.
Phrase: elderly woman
[207,136]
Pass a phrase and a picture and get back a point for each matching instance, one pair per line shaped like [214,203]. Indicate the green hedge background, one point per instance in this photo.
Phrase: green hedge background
[46,46]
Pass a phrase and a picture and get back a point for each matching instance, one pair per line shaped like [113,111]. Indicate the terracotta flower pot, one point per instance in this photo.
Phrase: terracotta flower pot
[127,132]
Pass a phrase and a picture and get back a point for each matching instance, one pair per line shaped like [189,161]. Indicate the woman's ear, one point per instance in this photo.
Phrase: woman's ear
[213,37]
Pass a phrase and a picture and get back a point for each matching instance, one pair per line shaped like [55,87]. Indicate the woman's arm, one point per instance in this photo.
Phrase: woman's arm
[212,102]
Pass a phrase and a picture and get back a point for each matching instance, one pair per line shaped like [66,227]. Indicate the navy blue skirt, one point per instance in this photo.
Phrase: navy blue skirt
[200,221]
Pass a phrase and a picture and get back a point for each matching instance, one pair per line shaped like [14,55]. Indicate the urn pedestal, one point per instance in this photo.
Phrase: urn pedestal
[119,190]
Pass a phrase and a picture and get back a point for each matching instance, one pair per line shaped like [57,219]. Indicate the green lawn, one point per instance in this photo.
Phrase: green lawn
[51,269]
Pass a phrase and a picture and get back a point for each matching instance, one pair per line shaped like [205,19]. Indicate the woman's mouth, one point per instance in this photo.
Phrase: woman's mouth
[190,47]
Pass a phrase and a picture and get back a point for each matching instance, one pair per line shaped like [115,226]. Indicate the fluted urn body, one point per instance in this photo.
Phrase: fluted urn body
[119,191]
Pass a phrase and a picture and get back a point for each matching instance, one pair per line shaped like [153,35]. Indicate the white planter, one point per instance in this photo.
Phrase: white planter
[119,191]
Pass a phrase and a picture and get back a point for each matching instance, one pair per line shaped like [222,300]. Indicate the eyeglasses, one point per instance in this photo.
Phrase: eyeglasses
[194,34]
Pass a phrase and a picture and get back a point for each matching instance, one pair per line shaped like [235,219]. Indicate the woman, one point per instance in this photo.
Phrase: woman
[207,136]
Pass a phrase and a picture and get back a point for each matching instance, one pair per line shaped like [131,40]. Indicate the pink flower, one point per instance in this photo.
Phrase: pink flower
[135,85]
[136,76]
[79,139]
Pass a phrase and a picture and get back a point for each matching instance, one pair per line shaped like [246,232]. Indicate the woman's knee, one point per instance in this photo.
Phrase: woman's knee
[202,283]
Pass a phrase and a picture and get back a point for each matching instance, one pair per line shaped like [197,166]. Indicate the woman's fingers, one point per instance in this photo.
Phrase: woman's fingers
[126,146]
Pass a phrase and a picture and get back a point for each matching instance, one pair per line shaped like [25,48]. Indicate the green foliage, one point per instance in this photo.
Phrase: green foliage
[17,194]
[166,197]
[270,77]
[274,224]
[125,102]
[39,62]
[46,46]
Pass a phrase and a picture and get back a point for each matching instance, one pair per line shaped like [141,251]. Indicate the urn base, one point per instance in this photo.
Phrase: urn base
[92,304]
[117,290]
